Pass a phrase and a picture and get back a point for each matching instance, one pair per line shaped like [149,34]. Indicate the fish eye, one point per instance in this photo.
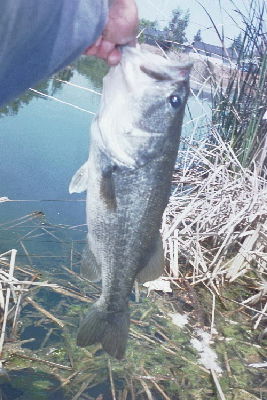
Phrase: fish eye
[175,101]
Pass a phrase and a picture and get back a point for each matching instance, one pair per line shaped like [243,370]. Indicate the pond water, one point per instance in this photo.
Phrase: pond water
[46,141]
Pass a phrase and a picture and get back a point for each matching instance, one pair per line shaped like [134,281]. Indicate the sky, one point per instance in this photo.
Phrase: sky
[224,17]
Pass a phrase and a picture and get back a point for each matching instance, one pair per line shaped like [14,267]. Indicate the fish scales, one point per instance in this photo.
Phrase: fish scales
[134,145]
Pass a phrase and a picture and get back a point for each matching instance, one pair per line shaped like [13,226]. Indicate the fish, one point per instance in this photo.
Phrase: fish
[133,148]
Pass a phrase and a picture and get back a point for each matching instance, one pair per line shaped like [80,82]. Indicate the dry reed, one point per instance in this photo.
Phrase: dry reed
[216,220]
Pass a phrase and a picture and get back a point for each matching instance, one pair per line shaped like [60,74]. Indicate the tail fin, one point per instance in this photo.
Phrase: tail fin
[108,328]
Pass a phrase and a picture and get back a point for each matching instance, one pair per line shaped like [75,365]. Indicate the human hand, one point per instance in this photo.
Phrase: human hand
[121,29]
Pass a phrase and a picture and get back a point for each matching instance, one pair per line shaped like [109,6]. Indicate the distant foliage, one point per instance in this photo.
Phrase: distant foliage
[171,35]
[237,45]
[146,29]
[175,32]
[145,23]
[197,37]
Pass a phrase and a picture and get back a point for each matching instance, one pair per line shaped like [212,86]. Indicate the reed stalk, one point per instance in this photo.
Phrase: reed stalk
[240,106]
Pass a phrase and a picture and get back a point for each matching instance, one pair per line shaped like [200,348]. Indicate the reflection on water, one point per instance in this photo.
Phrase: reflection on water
[43,142]
[26,382]
[90,68]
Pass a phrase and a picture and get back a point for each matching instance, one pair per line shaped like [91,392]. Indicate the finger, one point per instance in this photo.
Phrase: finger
[132,43]
[114,57]
[106,48]
[93,49]
[101,50]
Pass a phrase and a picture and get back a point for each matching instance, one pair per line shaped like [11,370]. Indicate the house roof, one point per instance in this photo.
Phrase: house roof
[209,48]
[155,33]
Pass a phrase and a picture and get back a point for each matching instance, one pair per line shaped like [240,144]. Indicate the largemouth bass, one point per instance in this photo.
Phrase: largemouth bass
[134,145]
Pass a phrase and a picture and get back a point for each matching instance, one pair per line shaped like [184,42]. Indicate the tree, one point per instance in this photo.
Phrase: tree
[197,37]
[237,44]
[146,29]
[145,23]
[176,30]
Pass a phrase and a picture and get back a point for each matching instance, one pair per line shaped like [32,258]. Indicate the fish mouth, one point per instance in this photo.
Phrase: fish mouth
[168,70]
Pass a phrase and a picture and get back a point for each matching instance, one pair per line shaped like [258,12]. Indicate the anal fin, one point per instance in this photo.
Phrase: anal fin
[155,265]
[90,269]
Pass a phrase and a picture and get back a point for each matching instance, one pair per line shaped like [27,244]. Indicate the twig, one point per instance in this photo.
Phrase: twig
[25,251]
[71,293]
[218,386]
[147,390]
[68,379]
[11,272]
[136,291]
[113,392]
[84,386]
[61,101]
[264,311]
[52,364]
[132,389]
[158,387]
[45,312]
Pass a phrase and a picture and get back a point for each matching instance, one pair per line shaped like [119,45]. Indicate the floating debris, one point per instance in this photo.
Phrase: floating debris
[179,319]
[208,357]
[159,284]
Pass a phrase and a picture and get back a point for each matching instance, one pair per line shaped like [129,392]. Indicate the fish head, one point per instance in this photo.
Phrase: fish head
[142,107]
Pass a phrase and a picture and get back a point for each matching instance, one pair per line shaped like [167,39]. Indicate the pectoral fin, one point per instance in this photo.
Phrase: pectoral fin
[90,269]
[155,265]
[79,180]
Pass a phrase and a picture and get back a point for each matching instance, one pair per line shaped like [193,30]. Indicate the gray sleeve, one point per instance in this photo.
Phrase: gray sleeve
[40,37]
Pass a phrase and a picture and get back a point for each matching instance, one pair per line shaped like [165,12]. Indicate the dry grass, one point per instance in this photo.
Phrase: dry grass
[217,214]
[11,291]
